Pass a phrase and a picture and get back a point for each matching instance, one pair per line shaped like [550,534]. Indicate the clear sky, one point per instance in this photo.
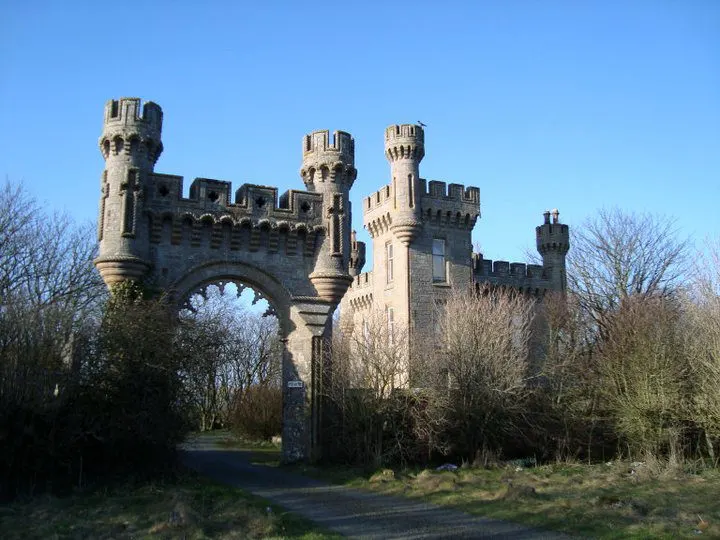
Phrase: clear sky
[568,104]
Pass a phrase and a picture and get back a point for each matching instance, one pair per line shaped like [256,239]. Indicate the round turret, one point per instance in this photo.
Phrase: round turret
[553,243]
[328,167]
[405,149]
[131,134]
[404,142]
[329,163]
[130,144]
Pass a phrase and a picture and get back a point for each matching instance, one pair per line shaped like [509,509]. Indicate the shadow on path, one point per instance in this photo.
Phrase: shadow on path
[347,511]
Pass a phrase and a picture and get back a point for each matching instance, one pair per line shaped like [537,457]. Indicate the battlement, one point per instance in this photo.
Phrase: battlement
[404,141]
[361,282]
[377,199]
[457,192]
[357,255]
[552,236]
[213,197]
[318,145]
[402,133]
[510,274]
[127,111]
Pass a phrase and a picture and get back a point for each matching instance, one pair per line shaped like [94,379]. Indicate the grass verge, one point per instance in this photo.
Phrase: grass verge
[190,507]
[616,500]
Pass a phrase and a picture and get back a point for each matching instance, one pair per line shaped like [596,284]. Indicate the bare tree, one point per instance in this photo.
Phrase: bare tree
[644,375]
[227,350]
[49,294]
[483,351]
[45,259]
[618,254]
[377,419]
[379,355]
[704,345]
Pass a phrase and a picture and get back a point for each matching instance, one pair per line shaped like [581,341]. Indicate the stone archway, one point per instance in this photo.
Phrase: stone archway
[303,324]
[295,249]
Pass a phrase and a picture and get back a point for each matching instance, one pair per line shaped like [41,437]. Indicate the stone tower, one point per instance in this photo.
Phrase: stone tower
[130,144]
[328,168]
[553,243]
[294,249]
[422,250]
[404,150]
[421,244]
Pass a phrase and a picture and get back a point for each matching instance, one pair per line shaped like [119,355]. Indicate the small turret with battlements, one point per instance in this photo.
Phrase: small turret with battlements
[328,168]
[130,144]
[553,243]
[357,255]
[404,150]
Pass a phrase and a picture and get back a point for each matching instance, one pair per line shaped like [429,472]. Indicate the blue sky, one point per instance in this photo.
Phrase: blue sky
[568,104]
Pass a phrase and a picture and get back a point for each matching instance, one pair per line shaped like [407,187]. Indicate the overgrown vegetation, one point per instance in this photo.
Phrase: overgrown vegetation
[625,364]
[96,387]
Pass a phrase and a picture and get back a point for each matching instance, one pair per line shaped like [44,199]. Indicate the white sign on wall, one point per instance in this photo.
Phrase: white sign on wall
[295,384]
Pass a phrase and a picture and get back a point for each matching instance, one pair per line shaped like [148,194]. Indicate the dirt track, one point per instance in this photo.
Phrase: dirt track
[344,510]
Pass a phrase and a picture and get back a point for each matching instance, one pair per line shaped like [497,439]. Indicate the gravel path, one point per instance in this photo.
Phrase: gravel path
[349,512]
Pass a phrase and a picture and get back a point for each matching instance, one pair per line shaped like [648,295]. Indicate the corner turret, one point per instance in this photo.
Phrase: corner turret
[130,144]
[357,255]
[404,150]
[328,168]
[553,243]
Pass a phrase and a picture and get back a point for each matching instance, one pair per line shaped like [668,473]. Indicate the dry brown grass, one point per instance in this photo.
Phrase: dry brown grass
[617,500]
[191,508]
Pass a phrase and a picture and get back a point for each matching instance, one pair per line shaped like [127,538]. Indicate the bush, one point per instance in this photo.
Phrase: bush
[108,407]
[258,414]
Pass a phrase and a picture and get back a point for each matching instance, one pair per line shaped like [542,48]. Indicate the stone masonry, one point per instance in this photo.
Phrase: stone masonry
[422,248]
[293,249]
[297,249]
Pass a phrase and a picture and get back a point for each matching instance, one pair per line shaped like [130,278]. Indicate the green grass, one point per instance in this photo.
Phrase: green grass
[190,507]
[605,501]
[616,500]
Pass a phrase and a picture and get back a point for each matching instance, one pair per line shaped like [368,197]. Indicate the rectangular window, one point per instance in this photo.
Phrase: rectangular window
[391,325]
[438,259]
[389,261]
[366,334]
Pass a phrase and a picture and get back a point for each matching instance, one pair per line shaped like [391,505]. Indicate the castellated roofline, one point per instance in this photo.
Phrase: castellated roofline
[130,110]
[319,145]
[404,141]
[516,275]
[252,203]
[404,133]
[434,189]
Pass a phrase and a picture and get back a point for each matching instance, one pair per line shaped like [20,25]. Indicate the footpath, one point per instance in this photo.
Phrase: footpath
[346,511]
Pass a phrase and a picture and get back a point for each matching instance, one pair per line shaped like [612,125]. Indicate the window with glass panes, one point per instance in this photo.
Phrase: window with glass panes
[438,257]
[389,261]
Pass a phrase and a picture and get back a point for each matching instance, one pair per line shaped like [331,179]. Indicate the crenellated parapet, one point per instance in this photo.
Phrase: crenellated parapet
[148,230]
[357,255]
[328,160]
[450,206]
[251,201]
[130,126]
[404,142]
[378,212]
[552,236]
[257,220]
[530,278]
[553,243]
[360,294]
